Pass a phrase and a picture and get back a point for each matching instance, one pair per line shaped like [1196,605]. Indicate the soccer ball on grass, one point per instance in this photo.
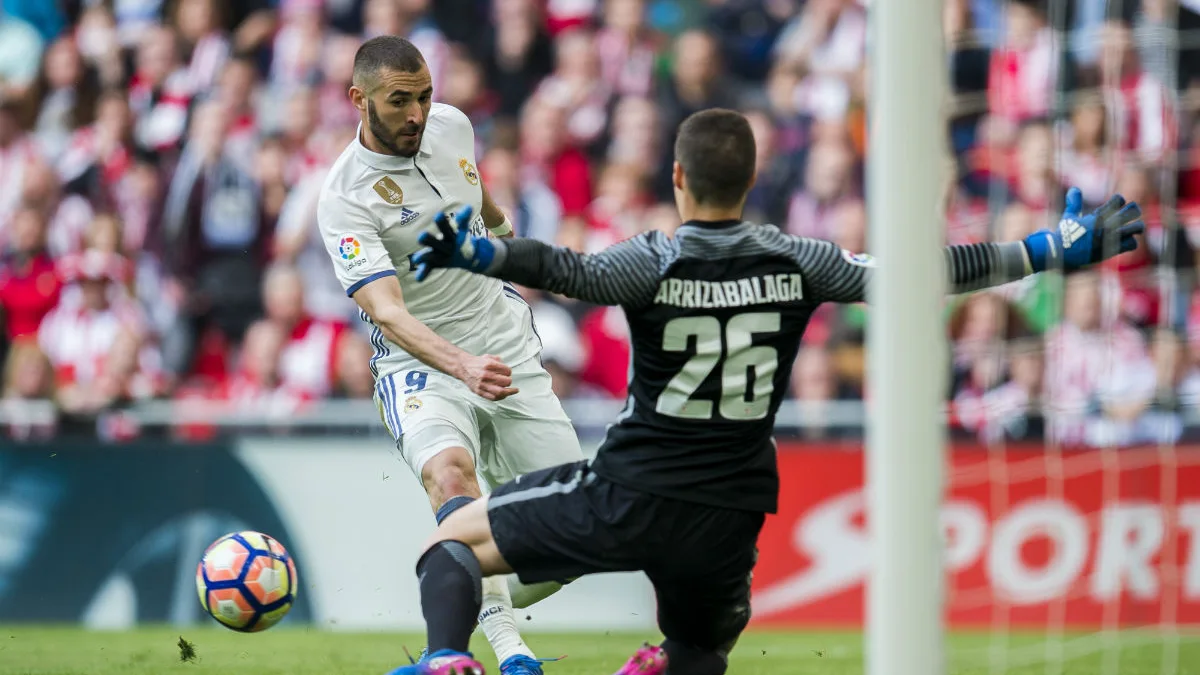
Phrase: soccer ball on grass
[246,581]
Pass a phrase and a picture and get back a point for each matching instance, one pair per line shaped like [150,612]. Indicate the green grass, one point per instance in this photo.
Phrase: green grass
[26,650]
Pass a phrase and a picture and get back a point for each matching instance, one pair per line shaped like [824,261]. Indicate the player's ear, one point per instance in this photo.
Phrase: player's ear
[677,176]
[359,98]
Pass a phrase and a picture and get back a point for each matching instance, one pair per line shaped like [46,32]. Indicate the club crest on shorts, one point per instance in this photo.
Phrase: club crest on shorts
[412,404]
[469,171]
[386,187]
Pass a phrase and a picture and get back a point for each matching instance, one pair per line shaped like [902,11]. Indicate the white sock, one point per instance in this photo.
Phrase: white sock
[524,595]
[497,620]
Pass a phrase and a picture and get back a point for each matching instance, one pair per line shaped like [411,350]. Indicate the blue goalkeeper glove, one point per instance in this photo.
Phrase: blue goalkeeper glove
[1081,240]
[454,248]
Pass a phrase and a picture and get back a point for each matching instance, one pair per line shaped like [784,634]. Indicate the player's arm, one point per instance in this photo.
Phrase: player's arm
[383,301]
[1077,242]
[623,274]
[493,217]
[364,267]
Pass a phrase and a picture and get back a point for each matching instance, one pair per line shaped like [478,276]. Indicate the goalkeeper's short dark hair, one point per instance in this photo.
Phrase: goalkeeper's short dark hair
[385,51]
[716,150]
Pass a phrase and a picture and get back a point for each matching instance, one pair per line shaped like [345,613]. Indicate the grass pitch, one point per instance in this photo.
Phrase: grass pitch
[26,650]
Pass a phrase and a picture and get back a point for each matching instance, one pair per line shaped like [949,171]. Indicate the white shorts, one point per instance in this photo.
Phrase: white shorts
[428,411]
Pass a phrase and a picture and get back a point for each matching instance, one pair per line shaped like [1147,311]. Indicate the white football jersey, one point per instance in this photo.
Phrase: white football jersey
[371,210]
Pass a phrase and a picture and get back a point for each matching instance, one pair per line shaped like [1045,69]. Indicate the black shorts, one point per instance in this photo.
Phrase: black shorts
[567,521]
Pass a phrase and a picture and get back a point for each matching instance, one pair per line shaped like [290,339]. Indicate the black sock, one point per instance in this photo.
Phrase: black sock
[685,660]
[451,594]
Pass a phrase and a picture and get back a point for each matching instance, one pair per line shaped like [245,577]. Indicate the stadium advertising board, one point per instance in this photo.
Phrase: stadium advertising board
[1081,539]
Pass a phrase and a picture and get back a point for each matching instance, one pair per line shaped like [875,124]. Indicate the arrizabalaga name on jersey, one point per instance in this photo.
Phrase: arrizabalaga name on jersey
[757,290]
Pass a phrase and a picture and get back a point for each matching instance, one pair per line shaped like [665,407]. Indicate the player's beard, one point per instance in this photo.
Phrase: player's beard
[385,136]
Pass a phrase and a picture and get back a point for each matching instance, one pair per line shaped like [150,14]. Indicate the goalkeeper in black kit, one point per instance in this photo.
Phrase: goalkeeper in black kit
[681,484]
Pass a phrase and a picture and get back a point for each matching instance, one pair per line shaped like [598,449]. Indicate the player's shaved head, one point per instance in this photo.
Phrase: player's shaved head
[715,148]
[386,51]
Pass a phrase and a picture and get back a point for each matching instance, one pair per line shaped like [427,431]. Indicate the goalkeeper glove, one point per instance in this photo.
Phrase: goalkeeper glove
[1081,240]
[454,248]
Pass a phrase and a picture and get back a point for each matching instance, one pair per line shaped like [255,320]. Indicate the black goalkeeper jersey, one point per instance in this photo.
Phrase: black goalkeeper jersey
[716,315]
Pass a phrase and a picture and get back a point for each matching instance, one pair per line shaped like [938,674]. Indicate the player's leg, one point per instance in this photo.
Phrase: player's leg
[440,438]
[544,527]
[532,432]
[703,589]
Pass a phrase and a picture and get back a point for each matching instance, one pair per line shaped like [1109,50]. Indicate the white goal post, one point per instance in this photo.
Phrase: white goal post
[907,360]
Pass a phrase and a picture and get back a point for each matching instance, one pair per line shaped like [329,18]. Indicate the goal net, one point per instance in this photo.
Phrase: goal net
[1071,519]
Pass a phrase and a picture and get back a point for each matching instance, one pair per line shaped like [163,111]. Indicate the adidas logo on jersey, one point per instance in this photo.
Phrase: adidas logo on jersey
[407,215]
[1071,231]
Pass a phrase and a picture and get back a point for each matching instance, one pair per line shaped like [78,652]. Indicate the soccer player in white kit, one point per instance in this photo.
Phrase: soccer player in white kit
[458,379]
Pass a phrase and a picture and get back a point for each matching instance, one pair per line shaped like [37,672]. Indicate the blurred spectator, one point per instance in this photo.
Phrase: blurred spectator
[636,135]
[68,215]
[20,55]
[1143,112]
[815,384]
[93,337]
[297,244]
[465,89]
[1151,410]
[99,44]
[605,336]
[533,207]
[828,182]
[1024,71]
[1011,410]
[696,83]
[575,86]
[336,110]
[64,97]
[309,356]
[1086,158]
[17,151]
[520,53]
[1094,362]
[547,158]
[826,44]
[410,19]
[160,92]
[850,226]
[775,173]
[353,368]
[296,51]
[747,30]
[235,89]
[562,351]
[29,283]
[201,27]
[616,213]
[258,383]
[627,48]
[980,327]
[28,381]
[1035,182]
[215,237]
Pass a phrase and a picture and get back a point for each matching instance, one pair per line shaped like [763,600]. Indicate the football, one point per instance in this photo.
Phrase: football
[246,581]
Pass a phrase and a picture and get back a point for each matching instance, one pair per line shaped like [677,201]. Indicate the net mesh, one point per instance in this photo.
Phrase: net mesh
[1073,538]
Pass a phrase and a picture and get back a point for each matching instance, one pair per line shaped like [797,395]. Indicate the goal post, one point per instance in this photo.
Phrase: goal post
[907,356]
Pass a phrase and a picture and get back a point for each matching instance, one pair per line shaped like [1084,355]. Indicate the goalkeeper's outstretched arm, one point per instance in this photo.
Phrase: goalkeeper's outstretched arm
[835,275]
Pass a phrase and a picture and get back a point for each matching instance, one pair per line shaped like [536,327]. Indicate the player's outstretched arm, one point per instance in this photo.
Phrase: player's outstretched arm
[623,274]
[383,301]
[1078,241]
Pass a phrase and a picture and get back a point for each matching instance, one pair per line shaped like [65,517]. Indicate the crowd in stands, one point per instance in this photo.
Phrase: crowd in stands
[160,163]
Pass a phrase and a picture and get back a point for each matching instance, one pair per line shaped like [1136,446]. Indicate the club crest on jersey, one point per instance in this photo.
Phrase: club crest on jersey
[412,404]
[469,171]
[860,259]
[386,187]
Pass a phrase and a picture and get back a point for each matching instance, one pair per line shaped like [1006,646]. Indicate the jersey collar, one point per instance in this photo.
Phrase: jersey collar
[376,160]
[710,224]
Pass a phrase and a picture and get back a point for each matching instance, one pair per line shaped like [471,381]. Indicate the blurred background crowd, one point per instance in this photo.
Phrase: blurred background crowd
[160,162]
